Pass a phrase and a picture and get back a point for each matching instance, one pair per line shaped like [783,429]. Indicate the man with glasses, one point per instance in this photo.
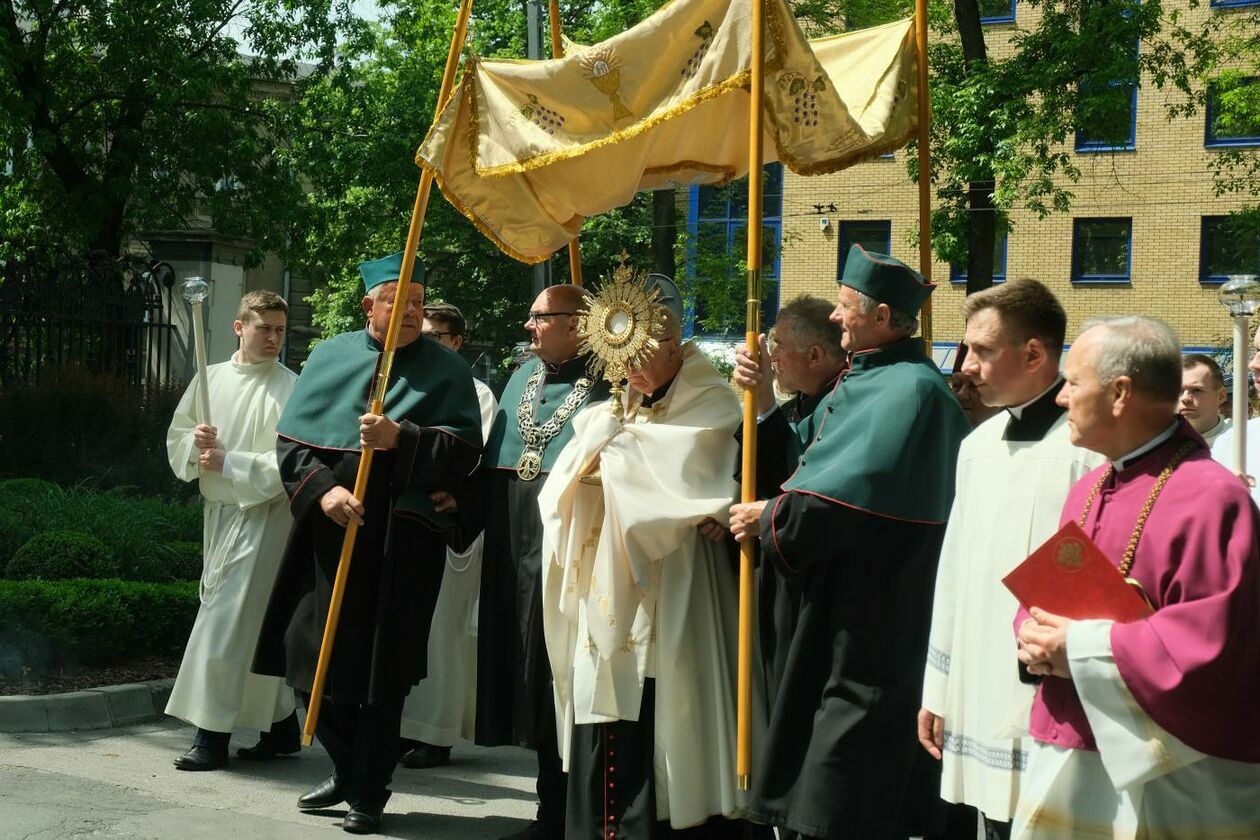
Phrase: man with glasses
[439,710]
[533,423]
[804,359]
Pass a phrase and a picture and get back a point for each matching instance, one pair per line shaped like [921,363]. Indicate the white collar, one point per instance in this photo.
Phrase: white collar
[1017,411]
[1121,463]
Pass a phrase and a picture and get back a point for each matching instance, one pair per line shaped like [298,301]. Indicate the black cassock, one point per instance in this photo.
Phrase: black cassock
[395,574]
[843,629]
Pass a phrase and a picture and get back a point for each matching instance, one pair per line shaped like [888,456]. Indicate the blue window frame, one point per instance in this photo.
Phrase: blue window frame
[999,11]
[1233,4]
[1102,250]
[873,235]
[1224,251]
[1112,116]
[717,226]
[958,273]
[1235,131]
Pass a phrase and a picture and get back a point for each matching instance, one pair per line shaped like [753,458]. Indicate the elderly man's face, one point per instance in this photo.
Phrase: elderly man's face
[660,369]
[789,357]
[859,326]
[1088,401]
[1201,400]
[379,308]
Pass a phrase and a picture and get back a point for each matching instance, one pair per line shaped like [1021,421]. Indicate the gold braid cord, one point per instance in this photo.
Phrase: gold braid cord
[618,328]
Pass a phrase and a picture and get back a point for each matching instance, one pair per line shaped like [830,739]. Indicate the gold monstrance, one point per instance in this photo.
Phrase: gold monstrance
[618,328]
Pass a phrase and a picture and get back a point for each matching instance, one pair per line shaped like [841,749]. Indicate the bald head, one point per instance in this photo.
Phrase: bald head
[565,298]
[553,321]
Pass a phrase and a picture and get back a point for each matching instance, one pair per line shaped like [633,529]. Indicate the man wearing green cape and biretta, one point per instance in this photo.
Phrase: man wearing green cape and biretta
[849,551]
[427,441]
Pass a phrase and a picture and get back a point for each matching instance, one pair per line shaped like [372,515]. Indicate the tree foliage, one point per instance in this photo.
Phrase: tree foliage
[117,118]
[1006,126]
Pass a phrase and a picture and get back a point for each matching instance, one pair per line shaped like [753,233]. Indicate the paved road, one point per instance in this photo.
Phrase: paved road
[119,783]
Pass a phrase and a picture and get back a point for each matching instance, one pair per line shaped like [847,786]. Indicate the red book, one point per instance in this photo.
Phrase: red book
[1070,576]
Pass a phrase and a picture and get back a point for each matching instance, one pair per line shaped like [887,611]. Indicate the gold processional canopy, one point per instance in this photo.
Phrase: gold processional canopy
[528,149]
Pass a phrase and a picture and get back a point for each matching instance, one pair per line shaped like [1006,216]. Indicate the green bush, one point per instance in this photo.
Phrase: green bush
[60,555]
[184,559]
[46,624]
[26,488]
[15,530]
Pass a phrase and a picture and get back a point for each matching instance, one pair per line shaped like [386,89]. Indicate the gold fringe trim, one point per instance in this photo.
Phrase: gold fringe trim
[739,80]
[477,221]
[726,172]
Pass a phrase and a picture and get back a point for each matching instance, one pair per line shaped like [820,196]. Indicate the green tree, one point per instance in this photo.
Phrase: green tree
[1002,130]
[116,118]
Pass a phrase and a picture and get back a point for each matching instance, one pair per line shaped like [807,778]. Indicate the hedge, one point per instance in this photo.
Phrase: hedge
[46,624]
[60,555]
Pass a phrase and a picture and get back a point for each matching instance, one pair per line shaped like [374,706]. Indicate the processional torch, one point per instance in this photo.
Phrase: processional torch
[1241,296]
[195,290]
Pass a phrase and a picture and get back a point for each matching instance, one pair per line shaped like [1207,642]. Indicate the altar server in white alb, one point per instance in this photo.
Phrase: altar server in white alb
[442,707]
[1014,471]
[639,602]
[246,523]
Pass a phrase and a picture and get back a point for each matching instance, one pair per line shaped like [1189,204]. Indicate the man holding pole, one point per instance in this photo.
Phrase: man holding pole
[246,521]
[426,443]
[514,694]
[849,551]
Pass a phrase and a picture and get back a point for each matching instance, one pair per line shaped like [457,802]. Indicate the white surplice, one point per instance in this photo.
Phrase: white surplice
[246,524]
[443,706]
[632,590]
[1143,783]
[1008,500]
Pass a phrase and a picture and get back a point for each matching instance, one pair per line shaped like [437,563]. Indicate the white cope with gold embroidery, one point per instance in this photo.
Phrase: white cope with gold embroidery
[632,590]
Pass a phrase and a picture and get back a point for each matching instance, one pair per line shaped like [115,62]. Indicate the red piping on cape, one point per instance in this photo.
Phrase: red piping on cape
[297,490]
[867,510]
[360,449]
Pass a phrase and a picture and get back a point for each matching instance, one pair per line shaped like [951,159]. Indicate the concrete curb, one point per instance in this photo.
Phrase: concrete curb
[92,708]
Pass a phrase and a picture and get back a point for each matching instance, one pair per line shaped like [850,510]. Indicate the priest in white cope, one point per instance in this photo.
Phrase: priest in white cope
[640,603]
[442,707]
[1146,729]
[245,526]
[1014,471]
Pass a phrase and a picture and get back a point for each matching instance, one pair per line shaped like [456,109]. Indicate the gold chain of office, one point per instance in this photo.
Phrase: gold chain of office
[1131,550]
[535,436]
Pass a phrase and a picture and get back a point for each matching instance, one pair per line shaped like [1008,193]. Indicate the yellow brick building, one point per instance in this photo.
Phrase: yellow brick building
[1158,190]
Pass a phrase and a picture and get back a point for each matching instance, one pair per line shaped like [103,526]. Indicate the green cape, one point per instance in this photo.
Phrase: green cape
[432,387]
[504,446]
[888,441]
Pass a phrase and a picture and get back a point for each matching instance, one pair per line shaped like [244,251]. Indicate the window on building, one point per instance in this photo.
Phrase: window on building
[1110,117]
[958,273]
[1226,249]
[872,235]
[1101,250]
[1232,118]
[997,11]
[717,221]
[1230,4]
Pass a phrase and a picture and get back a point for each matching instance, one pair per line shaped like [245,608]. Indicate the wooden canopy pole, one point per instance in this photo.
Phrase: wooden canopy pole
[752,333]
[925,164]
[381,386]
[557,51]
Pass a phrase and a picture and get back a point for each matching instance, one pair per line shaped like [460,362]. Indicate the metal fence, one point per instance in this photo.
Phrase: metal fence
[113,317]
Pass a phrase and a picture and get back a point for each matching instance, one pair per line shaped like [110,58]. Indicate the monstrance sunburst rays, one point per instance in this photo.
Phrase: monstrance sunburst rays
[618,328]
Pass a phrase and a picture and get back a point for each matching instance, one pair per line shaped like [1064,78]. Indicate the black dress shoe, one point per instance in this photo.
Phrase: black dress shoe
[363,819]
[426,755]
[201,758]
[267,749]
[328,794]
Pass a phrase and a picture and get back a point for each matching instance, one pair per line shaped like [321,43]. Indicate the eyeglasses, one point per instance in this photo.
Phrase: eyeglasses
[437,333]
[537,317]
